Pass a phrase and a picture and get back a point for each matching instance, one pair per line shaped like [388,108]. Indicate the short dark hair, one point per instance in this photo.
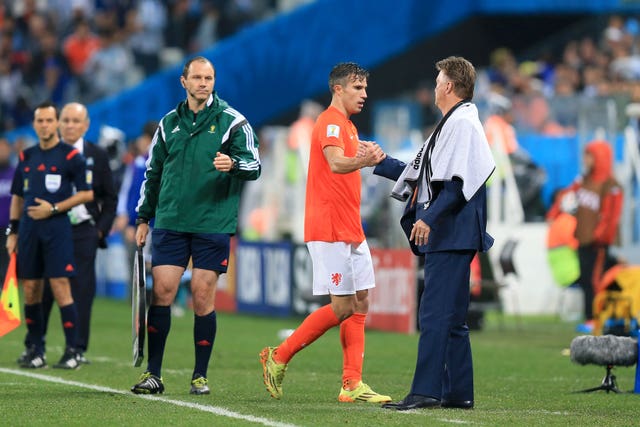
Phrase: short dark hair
[185,69]
[342,71]
[48,104]
[461,72]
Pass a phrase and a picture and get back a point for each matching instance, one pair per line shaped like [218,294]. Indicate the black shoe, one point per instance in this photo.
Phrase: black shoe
[23,357]
[80,357]
[457,404]
[33,359]
[148,384]
[413,401]
[68,360]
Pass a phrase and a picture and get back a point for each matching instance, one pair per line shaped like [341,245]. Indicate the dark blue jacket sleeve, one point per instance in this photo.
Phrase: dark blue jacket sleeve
[389,168]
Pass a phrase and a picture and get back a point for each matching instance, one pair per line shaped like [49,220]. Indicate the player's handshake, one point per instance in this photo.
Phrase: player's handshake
[371,151]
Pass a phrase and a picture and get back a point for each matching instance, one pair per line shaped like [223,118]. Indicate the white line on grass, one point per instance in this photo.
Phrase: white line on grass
[205,408]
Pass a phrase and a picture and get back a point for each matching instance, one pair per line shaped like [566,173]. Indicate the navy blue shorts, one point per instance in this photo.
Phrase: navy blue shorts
[45,249]
[208,251]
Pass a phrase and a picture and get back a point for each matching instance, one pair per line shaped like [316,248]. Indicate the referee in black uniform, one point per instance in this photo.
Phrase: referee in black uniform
[91,223]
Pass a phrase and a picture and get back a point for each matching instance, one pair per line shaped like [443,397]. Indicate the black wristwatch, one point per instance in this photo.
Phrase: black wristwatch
[141,220]
[54,209]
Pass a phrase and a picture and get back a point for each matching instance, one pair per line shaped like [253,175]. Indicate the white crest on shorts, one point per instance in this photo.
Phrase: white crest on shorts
[333,130]
[52,182]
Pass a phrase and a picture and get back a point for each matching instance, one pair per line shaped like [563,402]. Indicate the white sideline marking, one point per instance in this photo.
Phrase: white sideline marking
[205,408]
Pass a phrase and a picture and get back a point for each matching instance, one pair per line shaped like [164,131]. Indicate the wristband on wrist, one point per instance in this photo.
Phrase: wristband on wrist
[141,220]
[54,209]
[12,228]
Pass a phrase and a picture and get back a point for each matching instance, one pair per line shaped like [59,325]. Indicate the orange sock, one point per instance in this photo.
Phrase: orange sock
[352,340]
[316,324]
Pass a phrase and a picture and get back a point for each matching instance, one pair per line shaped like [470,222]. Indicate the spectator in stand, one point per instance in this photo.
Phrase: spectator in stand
[503,66]
[63,13]
[145,26]
[588,51]
[11,47]
[28,14]
[566,105]
[625,65]
[592,78]
[79,46]
[37,26]
[207,32]
[180,26]
[539,119]
[48,74]
[113,12]
[571,55]
[10,88]
[615,34]
[109,70]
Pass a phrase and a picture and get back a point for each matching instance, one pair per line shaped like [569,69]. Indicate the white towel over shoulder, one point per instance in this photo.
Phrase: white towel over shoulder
[461,150]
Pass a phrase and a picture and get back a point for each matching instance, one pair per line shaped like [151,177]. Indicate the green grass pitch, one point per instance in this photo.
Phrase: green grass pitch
[522,378]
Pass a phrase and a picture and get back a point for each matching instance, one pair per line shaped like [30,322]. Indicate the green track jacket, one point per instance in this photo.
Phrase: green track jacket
[182,189]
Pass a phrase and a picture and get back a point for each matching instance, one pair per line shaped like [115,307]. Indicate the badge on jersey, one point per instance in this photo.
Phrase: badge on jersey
[89,176]
[52,182]
[333,130]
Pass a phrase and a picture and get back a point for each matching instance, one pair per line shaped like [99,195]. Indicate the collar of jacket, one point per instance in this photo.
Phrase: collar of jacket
[214,107]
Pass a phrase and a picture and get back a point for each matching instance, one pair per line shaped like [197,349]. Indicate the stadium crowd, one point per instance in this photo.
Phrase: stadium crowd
[550,88]
[85,50]
[549,92]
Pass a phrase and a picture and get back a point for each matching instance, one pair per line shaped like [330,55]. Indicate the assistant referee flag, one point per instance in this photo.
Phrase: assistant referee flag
[10,300]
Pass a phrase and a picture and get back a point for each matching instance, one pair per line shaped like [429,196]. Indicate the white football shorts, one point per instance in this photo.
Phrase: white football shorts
[341,268]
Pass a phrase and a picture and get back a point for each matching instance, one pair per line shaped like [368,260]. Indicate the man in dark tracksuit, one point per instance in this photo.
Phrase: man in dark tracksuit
[90,222]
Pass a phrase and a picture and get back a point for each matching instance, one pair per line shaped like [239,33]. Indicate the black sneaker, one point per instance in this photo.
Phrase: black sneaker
[80,357]
[33,359]
[148,384]
[68,360]
[23,357]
